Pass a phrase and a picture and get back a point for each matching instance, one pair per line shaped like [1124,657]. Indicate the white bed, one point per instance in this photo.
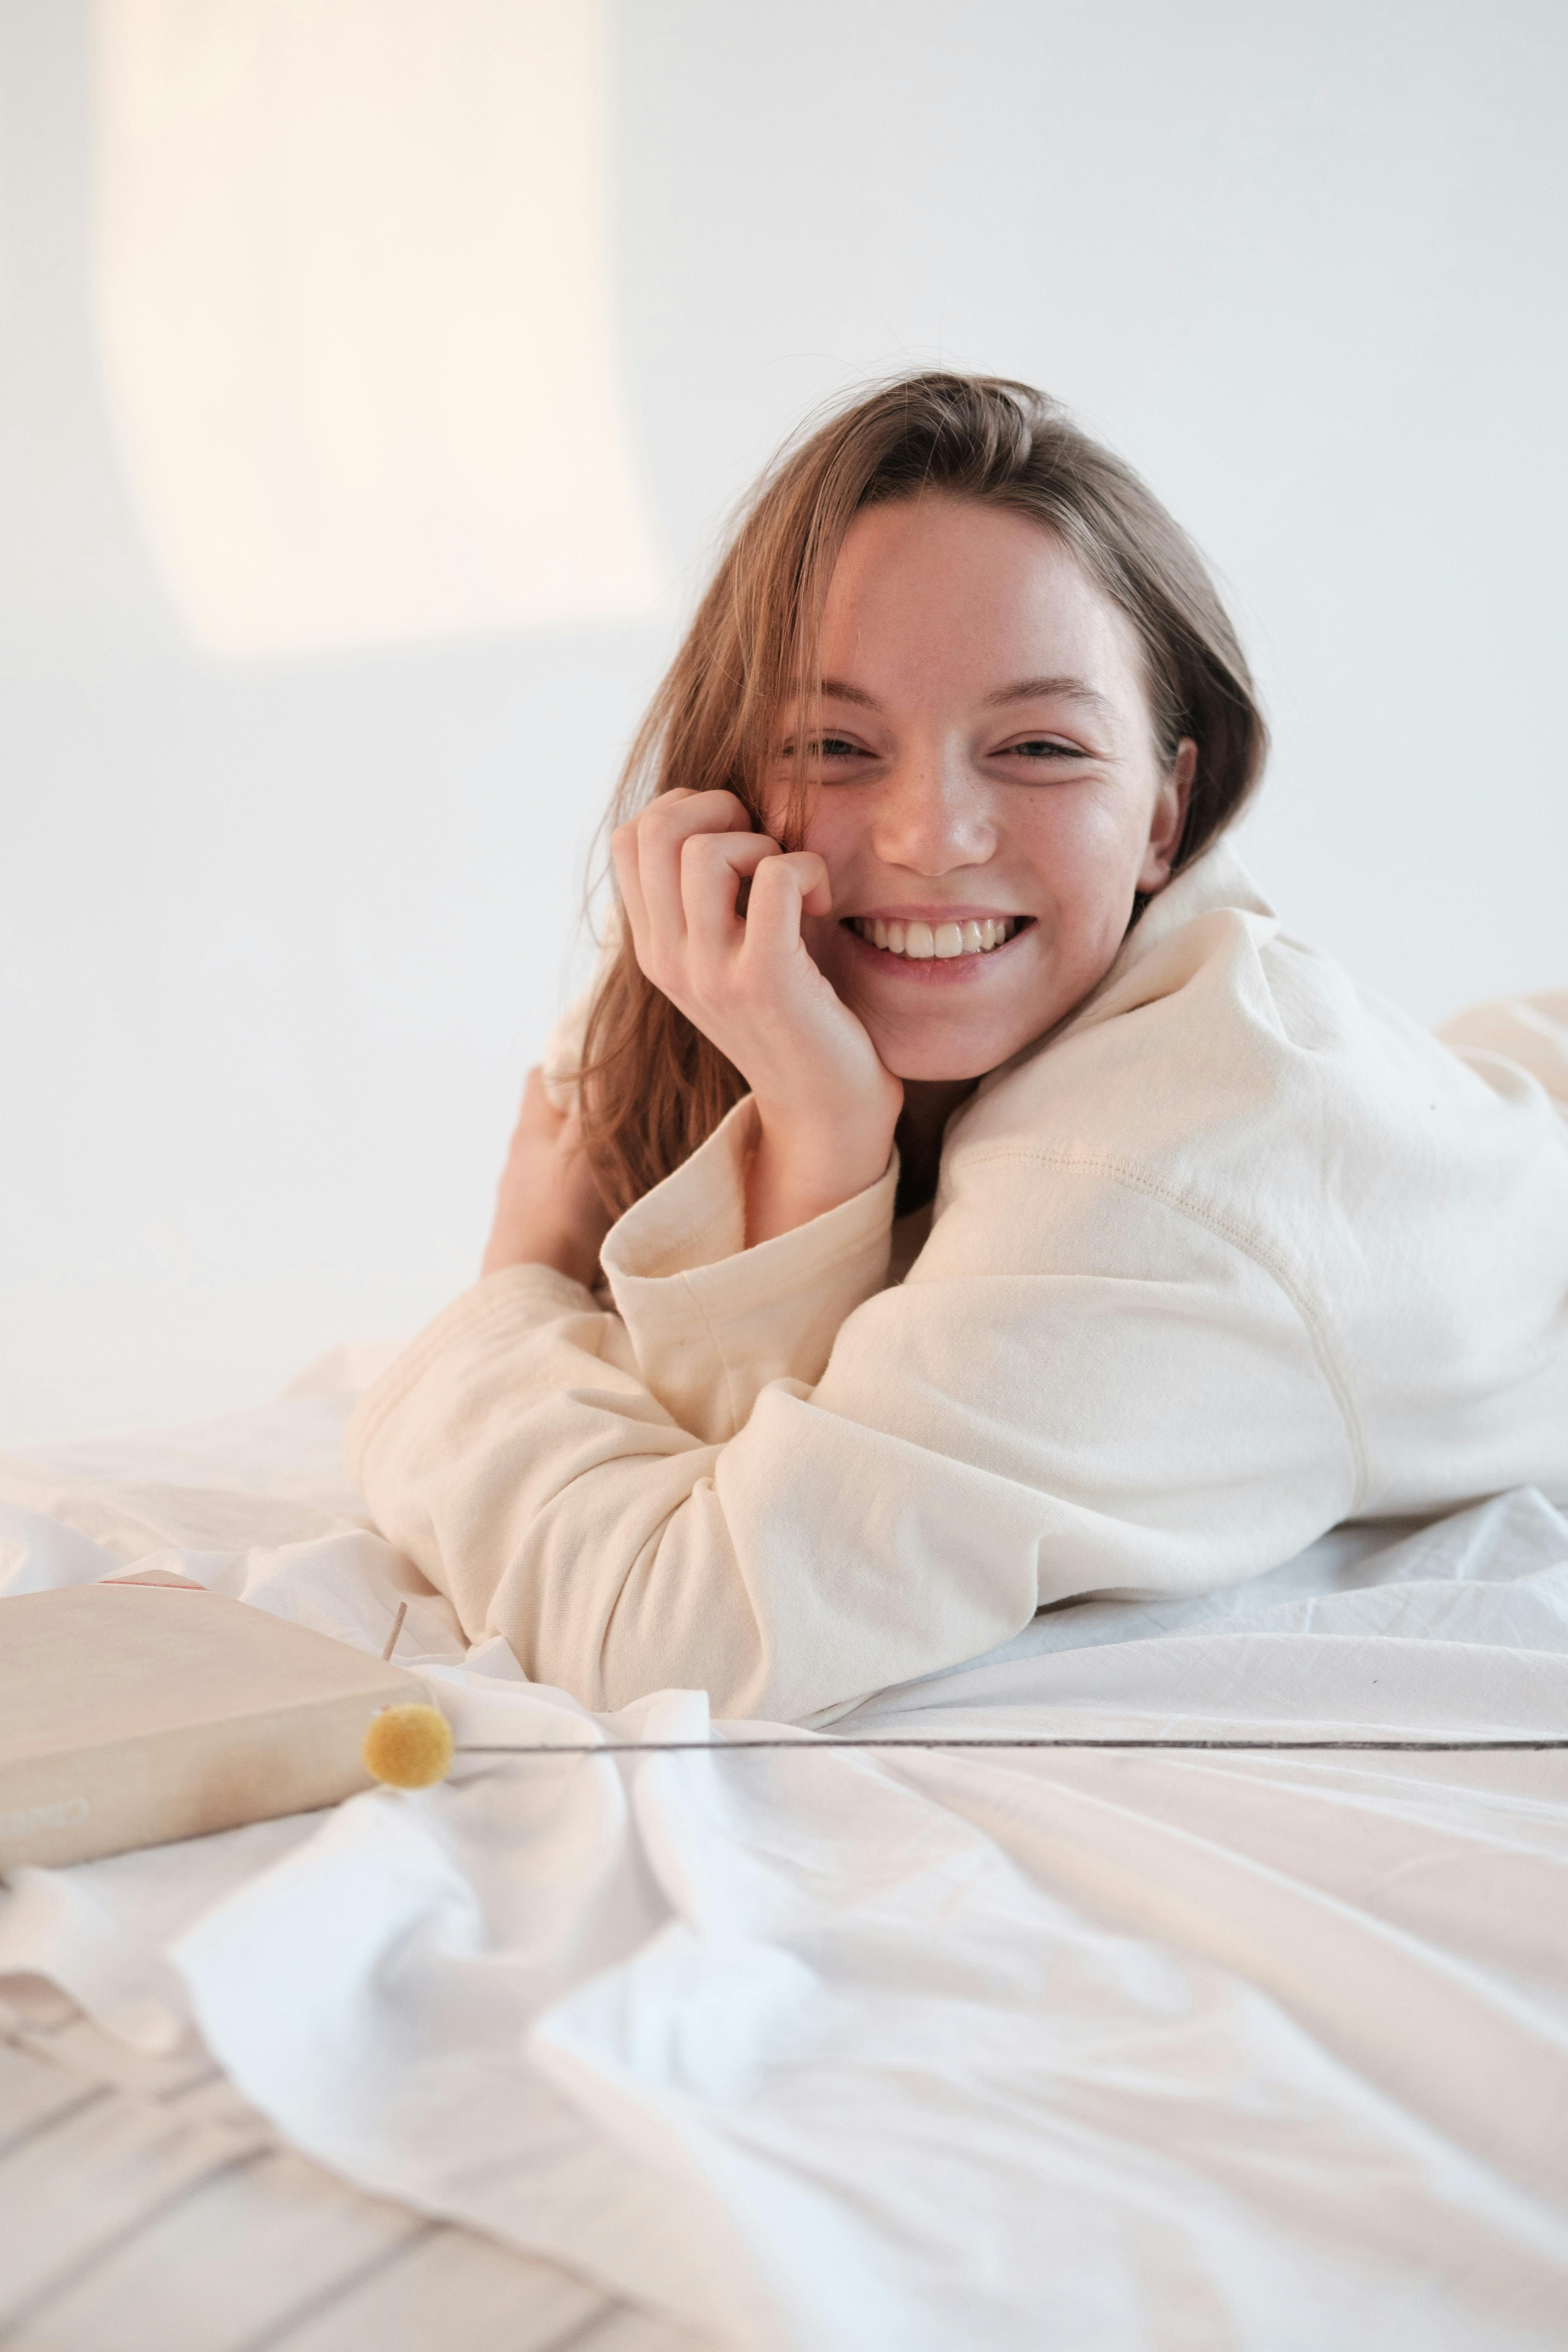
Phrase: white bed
[1077,2052]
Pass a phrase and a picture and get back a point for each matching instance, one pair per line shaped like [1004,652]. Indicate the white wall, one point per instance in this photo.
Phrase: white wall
[276,942]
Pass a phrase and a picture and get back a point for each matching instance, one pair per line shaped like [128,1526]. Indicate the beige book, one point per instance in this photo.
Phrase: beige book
[138,1711]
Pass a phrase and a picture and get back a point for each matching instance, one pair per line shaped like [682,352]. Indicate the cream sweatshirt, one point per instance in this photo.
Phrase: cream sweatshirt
[1235,1254]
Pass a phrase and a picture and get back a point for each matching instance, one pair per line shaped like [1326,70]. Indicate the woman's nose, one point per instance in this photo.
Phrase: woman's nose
[933,815]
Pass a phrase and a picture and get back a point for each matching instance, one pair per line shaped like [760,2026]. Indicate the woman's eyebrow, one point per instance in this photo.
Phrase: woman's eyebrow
[1026,690]
[1053,689]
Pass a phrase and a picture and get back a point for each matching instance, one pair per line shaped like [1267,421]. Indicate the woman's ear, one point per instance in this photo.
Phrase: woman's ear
[1170,816]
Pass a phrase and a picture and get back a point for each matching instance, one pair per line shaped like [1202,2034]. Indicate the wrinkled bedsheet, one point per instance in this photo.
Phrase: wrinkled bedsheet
[900,2051]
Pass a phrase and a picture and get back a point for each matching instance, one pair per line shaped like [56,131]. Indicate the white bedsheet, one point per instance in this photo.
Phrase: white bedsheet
[1076,2053]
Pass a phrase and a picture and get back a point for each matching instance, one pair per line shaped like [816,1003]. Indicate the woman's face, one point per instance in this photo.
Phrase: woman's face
[988,773]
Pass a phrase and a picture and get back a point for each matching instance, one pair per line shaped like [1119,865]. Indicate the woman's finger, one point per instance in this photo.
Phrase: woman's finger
[625,855]
[815,890]
[663,830]
[713,866]
[628,881]
[779,894]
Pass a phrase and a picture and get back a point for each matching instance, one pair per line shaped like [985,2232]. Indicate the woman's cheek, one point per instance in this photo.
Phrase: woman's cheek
[1086,861]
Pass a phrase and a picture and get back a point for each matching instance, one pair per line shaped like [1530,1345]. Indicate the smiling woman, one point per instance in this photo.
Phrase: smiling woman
[995,1205]
[980,750]
[940,564]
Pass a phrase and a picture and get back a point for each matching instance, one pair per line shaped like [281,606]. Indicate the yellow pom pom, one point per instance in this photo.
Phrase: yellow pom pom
[409,1747]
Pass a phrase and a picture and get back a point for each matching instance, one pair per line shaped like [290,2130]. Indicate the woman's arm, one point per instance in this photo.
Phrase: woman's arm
[548,1209]
[1133,1405]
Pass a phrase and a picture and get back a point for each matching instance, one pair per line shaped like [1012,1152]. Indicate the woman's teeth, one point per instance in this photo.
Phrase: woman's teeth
[921,940]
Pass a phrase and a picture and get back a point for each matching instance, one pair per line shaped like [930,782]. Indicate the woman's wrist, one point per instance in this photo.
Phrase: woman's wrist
[796,1175]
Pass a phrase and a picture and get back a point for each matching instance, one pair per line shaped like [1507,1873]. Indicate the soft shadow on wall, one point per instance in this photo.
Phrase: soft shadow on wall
[327,602]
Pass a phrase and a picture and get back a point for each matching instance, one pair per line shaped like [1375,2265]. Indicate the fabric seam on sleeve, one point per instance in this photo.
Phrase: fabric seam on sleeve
[692,1234]
[718,1347]
[688,1235]
[476,1314]
[786,1285]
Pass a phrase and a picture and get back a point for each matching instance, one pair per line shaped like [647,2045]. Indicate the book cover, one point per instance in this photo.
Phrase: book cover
[142,1710]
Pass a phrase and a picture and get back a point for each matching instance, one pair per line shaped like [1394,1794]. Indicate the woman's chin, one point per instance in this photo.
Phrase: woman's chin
[944,1042]
[928,1059]
[951,1022]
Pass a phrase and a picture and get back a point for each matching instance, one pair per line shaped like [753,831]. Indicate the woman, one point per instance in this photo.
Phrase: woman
[930,917]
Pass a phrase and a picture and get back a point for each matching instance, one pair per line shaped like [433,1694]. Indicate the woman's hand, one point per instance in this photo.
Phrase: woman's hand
[548,1209]
[826,1106]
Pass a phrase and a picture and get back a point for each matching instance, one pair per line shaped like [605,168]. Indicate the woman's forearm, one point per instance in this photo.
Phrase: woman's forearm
[796,1176]
[519,1460]
[620,1499]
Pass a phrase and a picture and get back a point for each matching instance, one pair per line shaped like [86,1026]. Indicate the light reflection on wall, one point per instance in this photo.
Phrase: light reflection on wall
[353,302]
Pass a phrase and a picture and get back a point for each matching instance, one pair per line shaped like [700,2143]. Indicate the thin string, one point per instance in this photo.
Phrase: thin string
[1244,1747]
[959,1739]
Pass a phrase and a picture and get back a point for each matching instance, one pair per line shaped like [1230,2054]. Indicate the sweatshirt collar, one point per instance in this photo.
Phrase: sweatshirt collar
[1214,882]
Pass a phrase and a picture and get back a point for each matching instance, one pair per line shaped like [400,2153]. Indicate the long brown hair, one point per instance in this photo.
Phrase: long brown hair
[654,1087]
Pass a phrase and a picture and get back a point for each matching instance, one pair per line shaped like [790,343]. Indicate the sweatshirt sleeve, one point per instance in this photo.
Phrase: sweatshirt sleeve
[1528,1033]
[1114,1397]
[711,1322]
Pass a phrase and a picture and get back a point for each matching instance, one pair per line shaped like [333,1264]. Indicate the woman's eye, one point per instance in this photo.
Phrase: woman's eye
[1045,747]
[826,747]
